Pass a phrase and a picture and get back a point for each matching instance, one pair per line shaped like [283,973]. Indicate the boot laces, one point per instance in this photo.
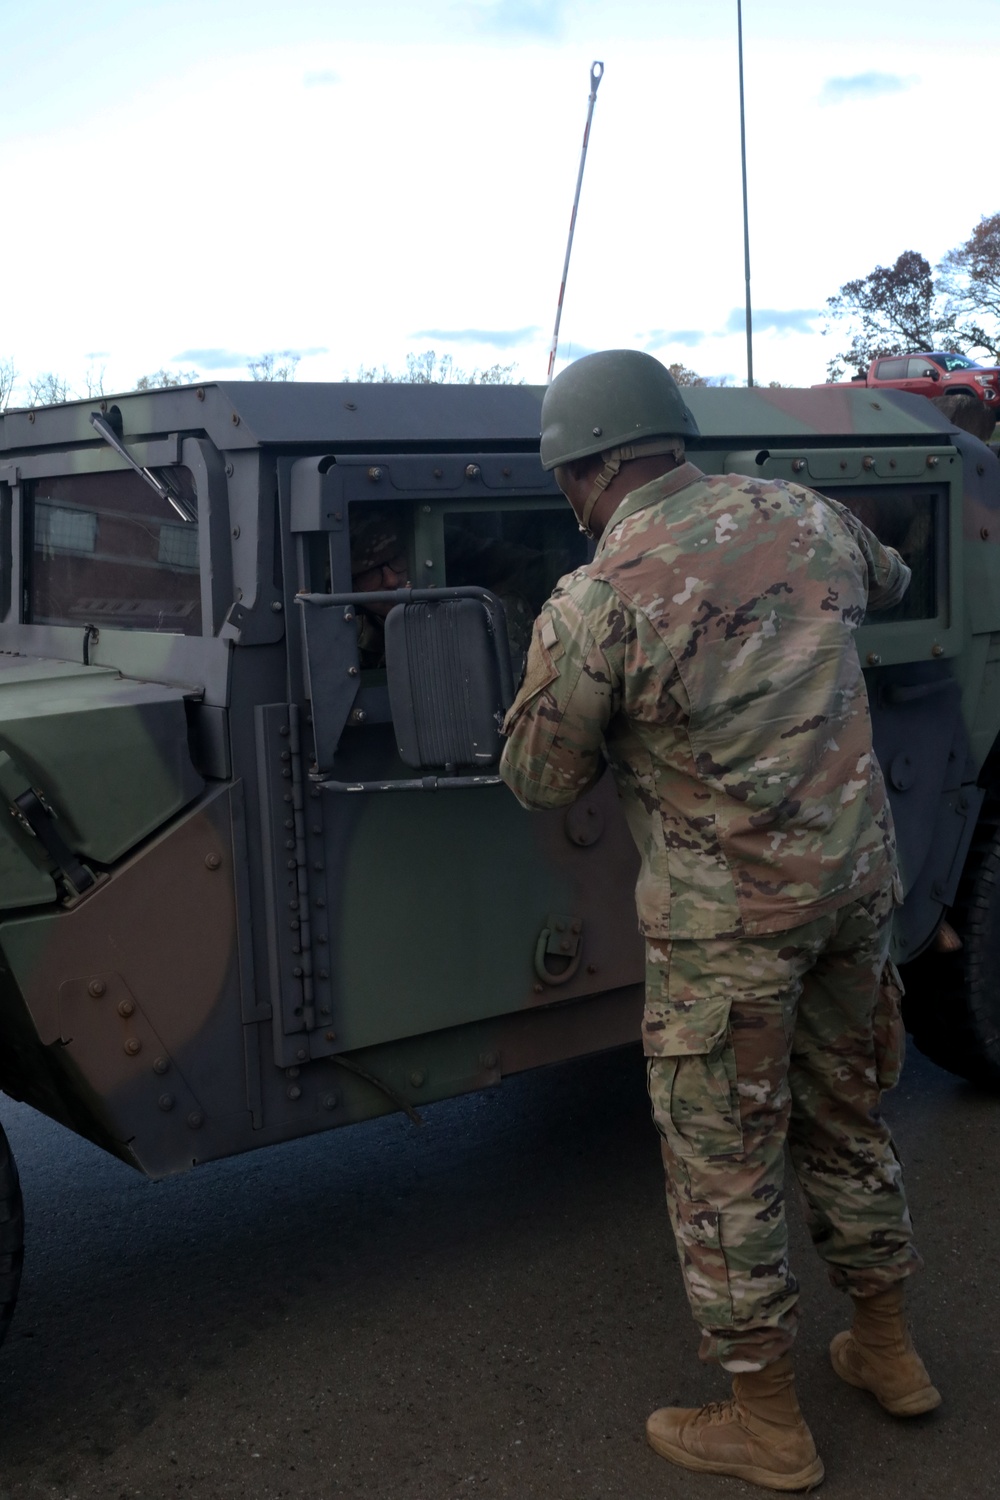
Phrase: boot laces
[720,1411]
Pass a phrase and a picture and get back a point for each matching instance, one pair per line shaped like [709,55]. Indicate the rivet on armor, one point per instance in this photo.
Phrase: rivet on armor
[212,861]
[937,649]
[598,431]
[374,474]
[166,1102]
[97,988]
[133,1046]
[984,532]
[330,1101]
[868,463]
[235,419]
[161,1065]
[798,464]
[418,1078]
[126,1007]
[873,659]
[931,461]
[293,1091]
[472,471]
[196,1119]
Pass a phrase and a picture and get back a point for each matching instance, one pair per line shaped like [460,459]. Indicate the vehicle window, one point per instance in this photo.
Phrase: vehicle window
[106,550]
[518,554]
[920,366]
[911,520]
[956,362]
[891,369]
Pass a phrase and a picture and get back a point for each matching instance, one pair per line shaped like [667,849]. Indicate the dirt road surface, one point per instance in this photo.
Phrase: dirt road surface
[485,1307]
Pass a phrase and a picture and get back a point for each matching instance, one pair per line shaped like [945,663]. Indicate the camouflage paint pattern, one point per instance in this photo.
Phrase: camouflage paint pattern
[791,1035]
[708,652]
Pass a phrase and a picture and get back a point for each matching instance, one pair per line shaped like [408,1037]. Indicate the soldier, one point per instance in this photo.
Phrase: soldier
[707,653]
[378,563]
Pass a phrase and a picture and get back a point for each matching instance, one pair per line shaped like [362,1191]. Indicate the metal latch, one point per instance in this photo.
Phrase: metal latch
[37,819]
[560,938]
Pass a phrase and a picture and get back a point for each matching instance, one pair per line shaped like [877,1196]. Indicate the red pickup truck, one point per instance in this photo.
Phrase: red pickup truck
[936,374]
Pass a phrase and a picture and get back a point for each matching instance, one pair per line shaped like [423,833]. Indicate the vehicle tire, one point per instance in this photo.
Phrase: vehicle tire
[11,1233]
[952,1004]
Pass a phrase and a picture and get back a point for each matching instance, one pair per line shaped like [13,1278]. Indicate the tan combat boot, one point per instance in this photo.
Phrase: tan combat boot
[759,1435]
[878,1355]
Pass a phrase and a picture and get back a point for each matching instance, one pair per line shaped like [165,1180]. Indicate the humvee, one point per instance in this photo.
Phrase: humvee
[257,880]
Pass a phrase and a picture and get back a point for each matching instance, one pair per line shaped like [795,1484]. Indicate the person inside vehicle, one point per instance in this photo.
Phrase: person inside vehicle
[379,563]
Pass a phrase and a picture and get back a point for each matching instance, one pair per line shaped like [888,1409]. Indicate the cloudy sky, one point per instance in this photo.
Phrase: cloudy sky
[192,183]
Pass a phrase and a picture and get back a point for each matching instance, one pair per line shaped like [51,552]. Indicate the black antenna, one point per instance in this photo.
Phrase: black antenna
[746,219]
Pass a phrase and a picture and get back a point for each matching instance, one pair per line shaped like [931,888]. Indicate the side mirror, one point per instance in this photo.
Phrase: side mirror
[933,372]
[449,675]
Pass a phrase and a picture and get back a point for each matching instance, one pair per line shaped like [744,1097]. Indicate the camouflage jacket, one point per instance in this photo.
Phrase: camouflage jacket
[708,652]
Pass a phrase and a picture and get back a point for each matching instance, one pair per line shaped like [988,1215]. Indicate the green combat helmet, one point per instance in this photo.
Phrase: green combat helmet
[613,399]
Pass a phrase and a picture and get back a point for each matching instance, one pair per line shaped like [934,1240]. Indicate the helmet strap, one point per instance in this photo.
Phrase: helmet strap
[613,460]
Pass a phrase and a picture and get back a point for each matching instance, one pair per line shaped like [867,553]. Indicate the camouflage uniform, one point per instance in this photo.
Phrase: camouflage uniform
[375,540]
[707,652]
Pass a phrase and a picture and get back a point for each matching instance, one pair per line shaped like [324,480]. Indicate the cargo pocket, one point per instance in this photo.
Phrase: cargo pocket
[888,1031]
[692,1081]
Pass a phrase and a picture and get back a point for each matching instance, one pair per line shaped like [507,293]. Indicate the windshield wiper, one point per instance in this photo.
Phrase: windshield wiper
[163,489]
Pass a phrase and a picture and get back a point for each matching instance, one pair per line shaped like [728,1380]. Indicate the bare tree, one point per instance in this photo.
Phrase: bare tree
[161,380]
[93,381]
[8,375]
[428,369]
[48,390]
[275,366]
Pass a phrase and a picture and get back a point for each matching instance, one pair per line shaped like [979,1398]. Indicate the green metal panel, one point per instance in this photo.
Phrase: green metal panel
[109,756]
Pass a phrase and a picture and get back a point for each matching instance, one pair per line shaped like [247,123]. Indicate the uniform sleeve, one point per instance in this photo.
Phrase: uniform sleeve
[888,574]
[571,691]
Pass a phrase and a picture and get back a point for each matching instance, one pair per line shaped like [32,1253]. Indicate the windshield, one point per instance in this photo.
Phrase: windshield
[949,362]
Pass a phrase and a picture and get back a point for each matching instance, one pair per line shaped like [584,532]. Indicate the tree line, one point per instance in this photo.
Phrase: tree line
[426,368]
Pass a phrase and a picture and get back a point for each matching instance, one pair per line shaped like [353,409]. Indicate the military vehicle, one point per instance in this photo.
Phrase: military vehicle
[258,877]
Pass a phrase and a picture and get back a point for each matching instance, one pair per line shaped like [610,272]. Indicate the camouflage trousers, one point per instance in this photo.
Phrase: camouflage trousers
[752,1042]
